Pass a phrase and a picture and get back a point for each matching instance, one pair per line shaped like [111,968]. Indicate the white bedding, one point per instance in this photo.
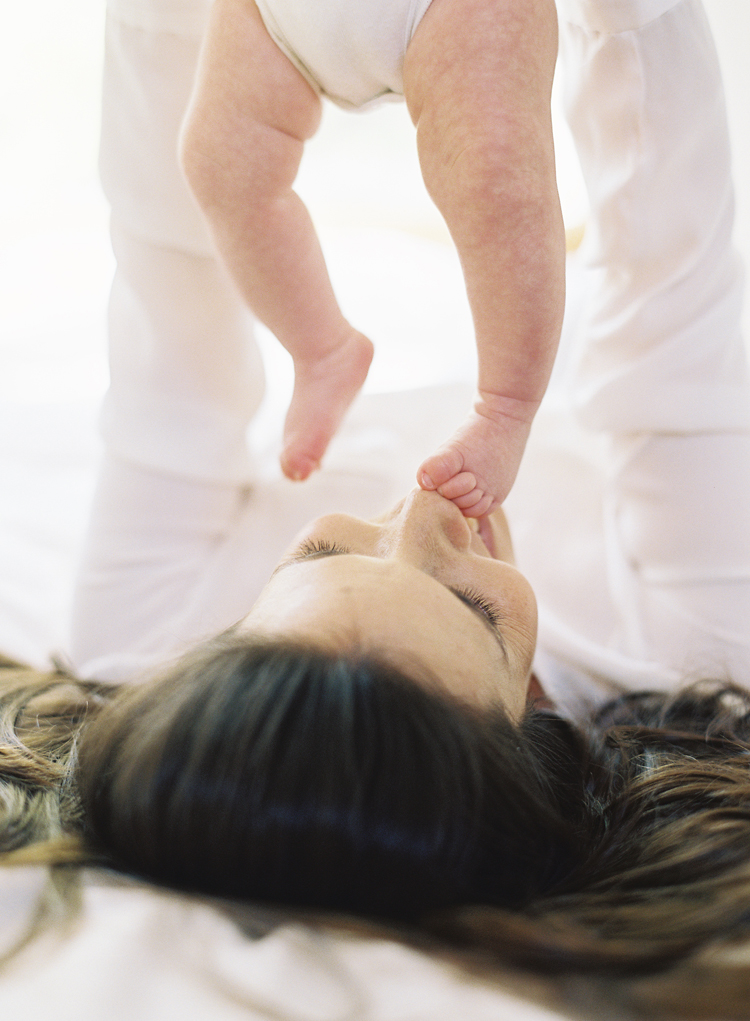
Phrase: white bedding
[52,351]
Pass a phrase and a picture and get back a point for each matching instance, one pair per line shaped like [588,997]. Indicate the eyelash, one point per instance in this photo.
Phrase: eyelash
[312,546]
[481,603]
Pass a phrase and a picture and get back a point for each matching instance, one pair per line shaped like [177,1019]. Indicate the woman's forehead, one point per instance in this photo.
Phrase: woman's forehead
[346,602]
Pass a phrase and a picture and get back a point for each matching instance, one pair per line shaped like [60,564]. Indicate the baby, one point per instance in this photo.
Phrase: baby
[477,76]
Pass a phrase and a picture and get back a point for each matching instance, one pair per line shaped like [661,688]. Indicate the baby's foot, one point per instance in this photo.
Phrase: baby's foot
[323,390]
[476,468]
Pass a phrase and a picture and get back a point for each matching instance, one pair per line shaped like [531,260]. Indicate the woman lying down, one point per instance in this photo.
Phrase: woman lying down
[383,734]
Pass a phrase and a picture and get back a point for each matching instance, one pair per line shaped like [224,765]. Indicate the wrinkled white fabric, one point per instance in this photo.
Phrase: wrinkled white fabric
[138,955]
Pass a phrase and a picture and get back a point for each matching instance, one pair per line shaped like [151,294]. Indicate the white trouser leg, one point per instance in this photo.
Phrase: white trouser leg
[185,373]
[662,351]
[186,376]
[661,365]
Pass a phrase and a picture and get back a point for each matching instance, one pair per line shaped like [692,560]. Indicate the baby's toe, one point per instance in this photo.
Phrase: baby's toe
[469,501]
[439,469]
[475,504]
[460,485]
[296,466]
[483,506]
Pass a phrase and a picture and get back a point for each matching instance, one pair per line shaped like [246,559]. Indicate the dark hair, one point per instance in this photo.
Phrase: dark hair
[275,772]
[279,773]
[41,713]
[666,873]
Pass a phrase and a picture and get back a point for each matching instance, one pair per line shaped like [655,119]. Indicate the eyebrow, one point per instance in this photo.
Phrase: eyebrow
[301,558]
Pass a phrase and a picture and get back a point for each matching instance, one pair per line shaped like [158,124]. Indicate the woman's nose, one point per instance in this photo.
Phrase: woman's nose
[427,523]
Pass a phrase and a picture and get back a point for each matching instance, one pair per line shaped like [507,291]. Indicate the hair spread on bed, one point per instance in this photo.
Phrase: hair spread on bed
[619,858]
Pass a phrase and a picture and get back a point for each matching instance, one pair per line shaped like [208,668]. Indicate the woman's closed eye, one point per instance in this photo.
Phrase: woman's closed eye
[474,599]
[310,548]
[316,547]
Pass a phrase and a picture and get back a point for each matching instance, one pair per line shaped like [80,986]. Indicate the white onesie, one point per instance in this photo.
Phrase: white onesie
[351,51]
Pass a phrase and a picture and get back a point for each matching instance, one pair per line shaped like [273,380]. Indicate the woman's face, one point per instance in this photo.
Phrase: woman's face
[419,588]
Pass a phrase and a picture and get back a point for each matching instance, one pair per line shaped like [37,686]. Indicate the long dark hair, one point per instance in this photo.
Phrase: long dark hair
[666,874]
[276,772]
[619,853]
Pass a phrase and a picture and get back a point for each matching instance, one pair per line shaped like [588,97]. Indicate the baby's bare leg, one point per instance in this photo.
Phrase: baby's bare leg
[242,144]
[477,80]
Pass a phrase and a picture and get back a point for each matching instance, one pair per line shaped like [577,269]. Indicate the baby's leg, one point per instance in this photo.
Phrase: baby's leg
[242,143]
[477,466]
[486,151]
